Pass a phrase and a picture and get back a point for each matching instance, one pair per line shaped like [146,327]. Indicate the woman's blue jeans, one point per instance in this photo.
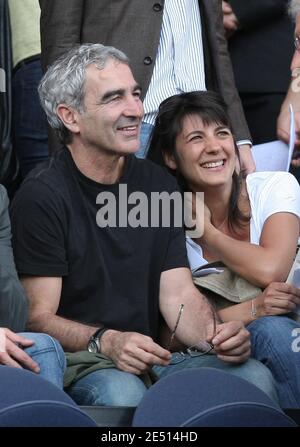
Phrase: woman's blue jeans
[275,341]
[145,135]
[49,355]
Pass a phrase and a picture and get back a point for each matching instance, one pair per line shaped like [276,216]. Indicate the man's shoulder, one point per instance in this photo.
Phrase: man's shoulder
[48,181]
[154,176]
[55,171]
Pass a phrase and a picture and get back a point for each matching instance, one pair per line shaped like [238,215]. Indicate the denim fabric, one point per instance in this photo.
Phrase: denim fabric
[252,371]
[49,355]
[274,343]
[110,387]
[146,130]
[29,125]
[115,387]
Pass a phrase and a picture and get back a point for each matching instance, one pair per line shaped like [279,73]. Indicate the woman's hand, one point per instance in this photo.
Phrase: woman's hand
[277,299]
[197,216]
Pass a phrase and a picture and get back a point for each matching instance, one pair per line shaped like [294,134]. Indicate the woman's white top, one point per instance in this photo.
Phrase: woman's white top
[269,193]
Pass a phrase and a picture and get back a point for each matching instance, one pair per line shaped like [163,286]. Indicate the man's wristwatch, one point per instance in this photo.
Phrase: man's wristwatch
[94,343]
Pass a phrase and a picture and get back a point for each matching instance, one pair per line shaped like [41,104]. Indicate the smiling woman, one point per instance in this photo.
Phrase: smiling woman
[251,224]
[205,154]
[193,137]
[244,215]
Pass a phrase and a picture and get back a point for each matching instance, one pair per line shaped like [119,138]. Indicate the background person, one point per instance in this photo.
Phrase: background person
[260,65]
[29,124]
[293,95]
[37,352]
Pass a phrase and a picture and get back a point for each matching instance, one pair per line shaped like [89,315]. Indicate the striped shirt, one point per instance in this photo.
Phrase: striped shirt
[179,64]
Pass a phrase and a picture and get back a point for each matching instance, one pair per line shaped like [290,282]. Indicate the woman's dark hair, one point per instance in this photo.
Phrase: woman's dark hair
[169,122]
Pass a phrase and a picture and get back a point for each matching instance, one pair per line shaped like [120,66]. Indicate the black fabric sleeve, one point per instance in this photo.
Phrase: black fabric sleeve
[13,302]
[176,256]
[39,227]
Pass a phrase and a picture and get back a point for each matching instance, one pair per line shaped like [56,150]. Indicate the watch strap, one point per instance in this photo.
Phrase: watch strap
[97,336]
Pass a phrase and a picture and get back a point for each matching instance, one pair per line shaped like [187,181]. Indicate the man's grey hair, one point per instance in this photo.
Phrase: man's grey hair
[64,81]
[294,8]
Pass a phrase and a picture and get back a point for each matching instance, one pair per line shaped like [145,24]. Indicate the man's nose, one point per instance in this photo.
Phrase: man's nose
[134,107]
[295,64]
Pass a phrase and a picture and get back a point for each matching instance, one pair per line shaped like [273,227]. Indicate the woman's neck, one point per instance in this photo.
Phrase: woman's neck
[218,202]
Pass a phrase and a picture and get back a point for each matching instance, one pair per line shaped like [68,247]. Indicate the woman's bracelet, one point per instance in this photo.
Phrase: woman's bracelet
[253,309]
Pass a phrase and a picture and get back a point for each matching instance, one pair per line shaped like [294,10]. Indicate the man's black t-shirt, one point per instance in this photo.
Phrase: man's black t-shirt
[110,275]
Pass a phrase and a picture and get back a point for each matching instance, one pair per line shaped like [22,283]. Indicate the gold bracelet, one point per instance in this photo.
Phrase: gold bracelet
[253,309]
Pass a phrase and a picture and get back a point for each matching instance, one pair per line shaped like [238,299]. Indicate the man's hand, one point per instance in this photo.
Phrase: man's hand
[11,352]
[133,352]
[296,158]
[230,20]
[247,160]
[284,119]
[232,342]
[284,122]
[277,299]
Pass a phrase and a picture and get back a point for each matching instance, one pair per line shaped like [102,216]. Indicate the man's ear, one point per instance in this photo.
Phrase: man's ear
[170,160]
[69,117]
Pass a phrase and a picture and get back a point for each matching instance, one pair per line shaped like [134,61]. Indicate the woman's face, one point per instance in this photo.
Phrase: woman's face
[205,153]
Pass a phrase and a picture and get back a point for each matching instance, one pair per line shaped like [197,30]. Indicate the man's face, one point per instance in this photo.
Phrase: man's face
[113,110]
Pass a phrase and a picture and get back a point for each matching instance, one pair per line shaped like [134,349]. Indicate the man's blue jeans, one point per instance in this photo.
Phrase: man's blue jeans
[29,124]
[146,131]
[274,343]
[49,355]
[115,387]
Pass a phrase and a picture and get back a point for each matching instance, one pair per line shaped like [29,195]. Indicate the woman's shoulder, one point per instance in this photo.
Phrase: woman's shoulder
[265,179]
[269,175]
[271,192]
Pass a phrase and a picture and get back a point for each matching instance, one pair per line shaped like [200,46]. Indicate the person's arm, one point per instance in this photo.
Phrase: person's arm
[13,301]
[39,226]
[60,27]
[130,351]
[284,120]
[261,264]
[246,156]
[277,299]
[44,297]
[231,340]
